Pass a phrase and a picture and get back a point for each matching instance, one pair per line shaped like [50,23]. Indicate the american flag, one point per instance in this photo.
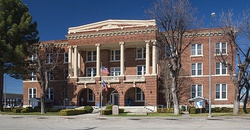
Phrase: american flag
[104,70]
[105,85]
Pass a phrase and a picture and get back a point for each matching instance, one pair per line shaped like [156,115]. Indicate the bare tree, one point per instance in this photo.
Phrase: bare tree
[233,29]
[174,18]
[49,57]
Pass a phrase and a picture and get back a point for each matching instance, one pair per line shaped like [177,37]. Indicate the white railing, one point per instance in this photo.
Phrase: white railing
[86,79]
[110,78]
[134,78]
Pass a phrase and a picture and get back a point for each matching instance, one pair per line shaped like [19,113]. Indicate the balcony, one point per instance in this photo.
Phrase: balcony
[86,80]
[135,78]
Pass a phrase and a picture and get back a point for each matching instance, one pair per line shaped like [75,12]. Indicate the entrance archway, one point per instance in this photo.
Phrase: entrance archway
[114,97]
[86,97]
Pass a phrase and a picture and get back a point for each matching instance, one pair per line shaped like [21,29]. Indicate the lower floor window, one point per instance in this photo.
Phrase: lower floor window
[50,94]
[91,96]
[32,93]
[221,91]
[196,91]
[139,95]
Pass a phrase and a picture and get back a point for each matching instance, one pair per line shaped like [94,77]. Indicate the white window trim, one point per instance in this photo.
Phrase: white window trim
[196,69]
[196,50]
[32,75]
[142,55]
[220,69]
[66,58]
[93,96]
[141,93]
[32,93]
[49,59]
[221,92]
[92,71]
[49,94]
[196,90]
[143,68]
[220,49]
[114,55]
[92,56]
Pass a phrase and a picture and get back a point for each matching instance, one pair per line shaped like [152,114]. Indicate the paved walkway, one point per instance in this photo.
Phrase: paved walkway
[99,122]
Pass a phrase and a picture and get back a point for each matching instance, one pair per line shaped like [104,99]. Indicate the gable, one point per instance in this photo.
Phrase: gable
[111,24]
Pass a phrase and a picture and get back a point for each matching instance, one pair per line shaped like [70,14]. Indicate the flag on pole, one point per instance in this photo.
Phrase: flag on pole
[105,85]
[104,70]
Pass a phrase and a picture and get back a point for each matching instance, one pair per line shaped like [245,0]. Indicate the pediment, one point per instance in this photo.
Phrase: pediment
[111,24]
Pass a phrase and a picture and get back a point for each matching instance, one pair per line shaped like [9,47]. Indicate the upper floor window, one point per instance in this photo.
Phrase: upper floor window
[51,76]
[221,91]
[196,69]
[196,91]
[66,73]
[115,55]
[31,93]
[91,55]
[90,95]
[115,71]
[32,76]
[141,53]
[220,48]
[220,68]
[196,49]
[141,70]
[49,58]
[32,57]
[90,72]
[66,57]
[50,94]
[139,95]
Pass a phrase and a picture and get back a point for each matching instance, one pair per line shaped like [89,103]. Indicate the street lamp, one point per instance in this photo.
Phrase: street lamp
[210,68]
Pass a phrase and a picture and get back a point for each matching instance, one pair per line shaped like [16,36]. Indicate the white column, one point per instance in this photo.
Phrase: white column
[147,57]
[70,61]
[122,58]
[97,60]
[75,61]
[79,64]
[154,54]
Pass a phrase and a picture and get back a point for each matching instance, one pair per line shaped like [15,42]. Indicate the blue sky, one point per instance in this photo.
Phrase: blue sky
[54,17]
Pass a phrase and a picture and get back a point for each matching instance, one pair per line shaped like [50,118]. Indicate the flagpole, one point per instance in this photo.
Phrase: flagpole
[101,86]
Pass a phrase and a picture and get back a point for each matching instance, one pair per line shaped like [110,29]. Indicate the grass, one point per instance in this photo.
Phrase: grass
[32,113]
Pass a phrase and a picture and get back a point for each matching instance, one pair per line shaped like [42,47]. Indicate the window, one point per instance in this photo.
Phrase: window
[196,91]
[32,93]
[90,72]
[196,49]
[115,71]
[221,91]
[115,55]
[220,68]
[32,57]
[141,53]
[220,48]
[51,76]
[50,94]
[91,55]
[49,58]
[32,76]
[66,57]
[141,70]
[90,95]
[66,73]
[196,69]
[139,95]
[167,51]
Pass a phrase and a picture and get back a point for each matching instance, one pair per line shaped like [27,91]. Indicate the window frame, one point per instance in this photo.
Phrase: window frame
[142,71]
[50,94]
[113,55]
[196,93]
[140,94]
[196,70]
[221,91]
[49,58]
[33,93]
[91,94]
[114,71]
[142,54]
[92,72]
[91,57]
[32,76]
[219,50]
[221,69]
[196,49]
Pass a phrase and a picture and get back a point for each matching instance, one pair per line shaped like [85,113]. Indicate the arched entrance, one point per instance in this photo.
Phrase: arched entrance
[86,97]
[134,97]
[114,97]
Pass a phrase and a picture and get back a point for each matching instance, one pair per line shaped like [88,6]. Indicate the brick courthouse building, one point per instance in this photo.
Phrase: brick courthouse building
[127,49]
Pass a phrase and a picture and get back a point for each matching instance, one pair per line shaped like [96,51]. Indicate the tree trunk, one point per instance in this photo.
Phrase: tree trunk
[236,101]
[246,99]
[43,104]
[175,97]
[1,88]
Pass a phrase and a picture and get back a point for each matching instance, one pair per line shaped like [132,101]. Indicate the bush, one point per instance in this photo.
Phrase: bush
[25,110]
[121,110]
[89,109]
[16,110]
[106,112]
[109,107]
[192,110]
[165,110]
[67,112]
[7,109]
